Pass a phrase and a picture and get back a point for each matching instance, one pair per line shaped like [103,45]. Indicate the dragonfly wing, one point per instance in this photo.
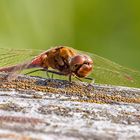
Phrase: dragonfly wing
[108,72]
[16,59]
[10,56]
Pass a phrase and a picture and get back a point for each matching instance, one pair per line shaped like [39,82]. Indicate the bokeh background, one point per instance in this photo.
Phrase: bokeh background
[109,28]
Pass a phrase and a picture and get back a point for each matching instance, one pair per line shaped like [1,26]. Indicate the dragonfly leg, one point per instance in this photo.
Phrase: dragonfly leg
[34,71]
[47,74]
[70,78]
[55,72]
[52,76]
[78,78]
[92,81]
[49,71]
[87,78]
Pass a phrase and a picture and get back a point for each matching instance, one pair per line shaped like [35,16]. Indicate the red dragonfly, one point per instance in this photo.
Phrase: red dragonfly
[104,72]
[63,59]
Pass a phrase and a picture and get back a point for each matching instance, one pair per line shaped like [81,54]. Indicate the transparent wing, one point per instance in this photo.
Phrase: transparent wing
[19,57]
[108,72]
[10,56]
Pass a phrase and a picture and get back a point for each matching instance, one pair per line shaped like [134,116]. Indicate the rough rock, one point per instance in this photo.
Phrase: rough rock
[50,109]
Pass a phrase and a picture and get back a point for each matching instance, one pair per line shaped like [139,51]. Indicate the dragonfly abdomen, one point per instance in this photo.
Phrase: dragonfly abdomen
[17,67]
[7,69]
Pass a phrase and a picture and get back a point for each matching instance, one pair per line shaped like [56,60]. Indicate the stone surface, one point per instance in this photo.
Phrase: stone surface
[49,109]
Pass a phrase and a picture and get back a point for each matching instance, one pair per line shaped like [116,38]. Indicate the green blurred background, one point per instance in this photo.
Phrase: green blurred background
[109,28]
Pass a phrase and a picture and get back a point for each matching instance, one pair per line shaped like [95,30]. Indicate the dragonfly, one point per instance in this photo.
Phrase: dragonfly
[101,69]
[63,59]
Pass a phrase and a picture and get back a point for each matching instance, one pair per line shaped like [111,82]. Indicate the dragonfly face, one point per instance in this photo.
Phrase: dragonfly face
[81,65]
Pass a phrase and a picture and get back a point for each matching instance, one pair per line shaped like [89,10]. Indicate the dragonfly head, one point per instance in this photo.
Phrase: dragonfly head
[81,65]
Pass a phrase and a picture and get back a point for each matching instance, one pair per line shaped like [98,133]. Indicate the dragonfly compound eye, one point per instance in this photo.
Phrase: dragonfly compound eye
[84,70]
[76,62]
